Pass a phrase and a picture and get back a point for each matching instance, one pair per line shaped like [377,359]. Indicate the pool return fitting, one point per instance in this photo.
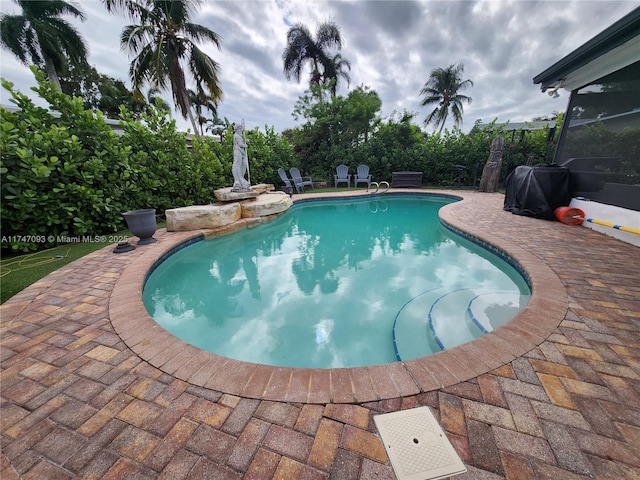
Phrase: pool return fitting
[378,185]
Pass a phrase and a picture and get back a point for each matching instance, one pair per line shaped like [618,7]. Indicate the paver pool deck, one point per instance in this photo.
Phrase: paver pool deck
[91,387]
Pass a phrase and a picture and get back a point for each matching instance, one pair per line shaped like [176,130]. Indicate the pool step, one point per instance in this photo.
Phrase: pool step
[448,316]
[492,309]
[449,322]
[411,336]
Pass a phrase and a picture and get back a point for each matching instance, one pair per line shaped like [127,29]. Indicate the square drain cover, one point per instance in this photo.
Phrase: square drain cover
[417,446]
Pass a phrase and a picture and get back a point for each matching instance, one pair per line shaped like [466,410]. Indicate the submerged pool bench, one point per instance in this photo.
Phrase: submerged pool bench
[406,179]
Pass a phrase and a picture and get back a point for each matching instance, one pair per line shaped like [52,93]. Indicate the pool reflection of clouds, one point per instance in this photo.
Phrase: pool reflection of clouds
[253,341]
[170,309]
[323,332]
[483,272]
[215,271]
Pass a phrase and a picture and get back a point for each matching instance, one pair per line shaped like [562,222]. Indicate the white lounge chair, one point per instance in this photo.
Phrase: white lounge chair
[299,181]
[287,182]
[362,176]
[342,175]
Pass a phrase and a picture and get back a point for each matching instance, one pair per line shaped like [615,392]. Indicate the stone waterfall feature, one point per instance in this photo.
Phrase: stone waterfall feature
[259,202]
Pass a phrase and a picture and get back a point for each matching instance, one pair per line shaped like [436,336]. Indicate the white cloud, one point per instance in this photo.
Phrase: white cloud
[392,46]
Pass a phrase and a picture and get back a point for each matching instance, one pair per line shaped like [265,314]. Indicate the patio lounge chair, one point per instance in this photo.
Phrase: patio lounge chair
[287,182]
[362,176]
[342,175]
[299,181]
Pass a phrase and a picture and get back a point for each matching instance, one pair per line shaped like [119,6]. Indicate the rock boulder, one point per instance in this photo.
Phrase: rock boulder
[266,204]
[198,217]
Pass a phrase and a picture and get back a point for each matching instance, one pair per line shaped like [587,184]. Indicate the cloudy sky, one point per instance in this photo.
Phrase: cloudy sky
[392,47]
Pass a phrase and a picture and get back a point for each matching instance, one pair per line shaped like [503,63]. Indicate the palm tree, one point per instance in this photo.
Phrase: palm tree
[219,126]
[442,88]
[198,101]
[154,99]
[334,70]
[39,36]
[303,48]
[162,41]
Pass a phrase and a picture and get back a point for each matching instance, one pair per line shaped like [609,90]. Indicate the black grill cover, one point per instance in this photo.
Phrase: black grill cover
[537,191]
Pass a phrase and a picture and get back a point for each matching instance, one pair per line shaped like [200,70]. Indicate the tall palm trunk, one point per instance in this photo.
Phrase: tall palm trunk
[52,75]
[185,97]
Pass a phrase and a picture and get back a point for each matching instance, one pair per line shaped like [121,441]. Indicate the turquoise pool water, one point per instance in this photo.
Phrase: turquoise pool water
[336,283]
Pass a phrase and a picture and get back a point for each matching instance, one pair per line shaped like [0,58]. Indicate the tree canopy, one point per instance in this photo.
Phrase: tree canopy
[302,48]
[40,37]
[100,92]
[333,126]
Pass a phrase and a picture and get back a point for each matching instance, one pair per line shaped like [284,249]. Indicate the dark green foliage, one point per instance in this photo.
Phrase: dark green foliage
[167,174]
[267,152]
[336,128]
[59,174]
[65,172]
[100,92]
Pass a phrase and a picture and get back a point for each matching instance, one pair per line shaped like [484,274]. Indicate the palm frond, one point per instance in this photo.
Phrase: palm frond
[136,10]
[302,48]
[296,53]
[59,7]
[62,40]
[41,37]
[13,34]
[47,9]
[135,37]
[162,40]
[33,47]
[328,35]
[205,71]
[199,33]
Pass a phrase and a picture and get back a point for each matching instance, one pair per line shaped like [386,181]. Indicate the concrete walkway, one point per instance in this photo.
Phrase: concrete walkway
[560,399]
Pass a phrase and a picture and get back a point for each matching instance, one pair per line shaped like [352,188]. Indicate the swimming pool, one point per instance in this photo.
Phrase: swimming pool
[336,283]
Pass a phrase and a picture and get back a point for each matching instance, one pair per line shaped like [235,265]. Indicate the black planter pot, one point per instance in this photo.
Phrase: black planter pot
[142,223]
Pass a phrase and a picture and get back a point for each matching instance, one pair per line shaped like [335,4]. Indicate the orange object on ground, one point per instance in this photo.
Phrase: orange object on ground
[569,215]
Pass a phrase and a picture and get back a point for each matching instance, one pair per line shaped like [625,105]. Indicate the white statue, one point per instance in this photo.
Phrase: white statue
[240,160]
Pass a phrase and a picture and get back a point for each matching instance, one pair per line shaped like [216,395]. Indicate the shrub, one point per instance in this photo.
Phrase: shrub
[167,173]
[58,174]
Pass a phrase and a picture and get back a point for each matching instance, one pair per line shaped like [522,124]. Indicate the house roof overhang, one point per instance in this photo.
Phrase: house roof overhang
[609,51]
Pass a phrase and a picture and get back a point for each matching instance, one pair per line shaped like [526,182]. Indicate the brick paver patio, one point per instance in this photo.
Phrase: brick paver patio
[89,390]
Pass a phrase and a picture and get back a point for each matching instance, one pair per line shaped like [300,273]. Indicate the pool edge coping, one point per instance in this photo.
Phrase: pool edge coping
[152,343]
